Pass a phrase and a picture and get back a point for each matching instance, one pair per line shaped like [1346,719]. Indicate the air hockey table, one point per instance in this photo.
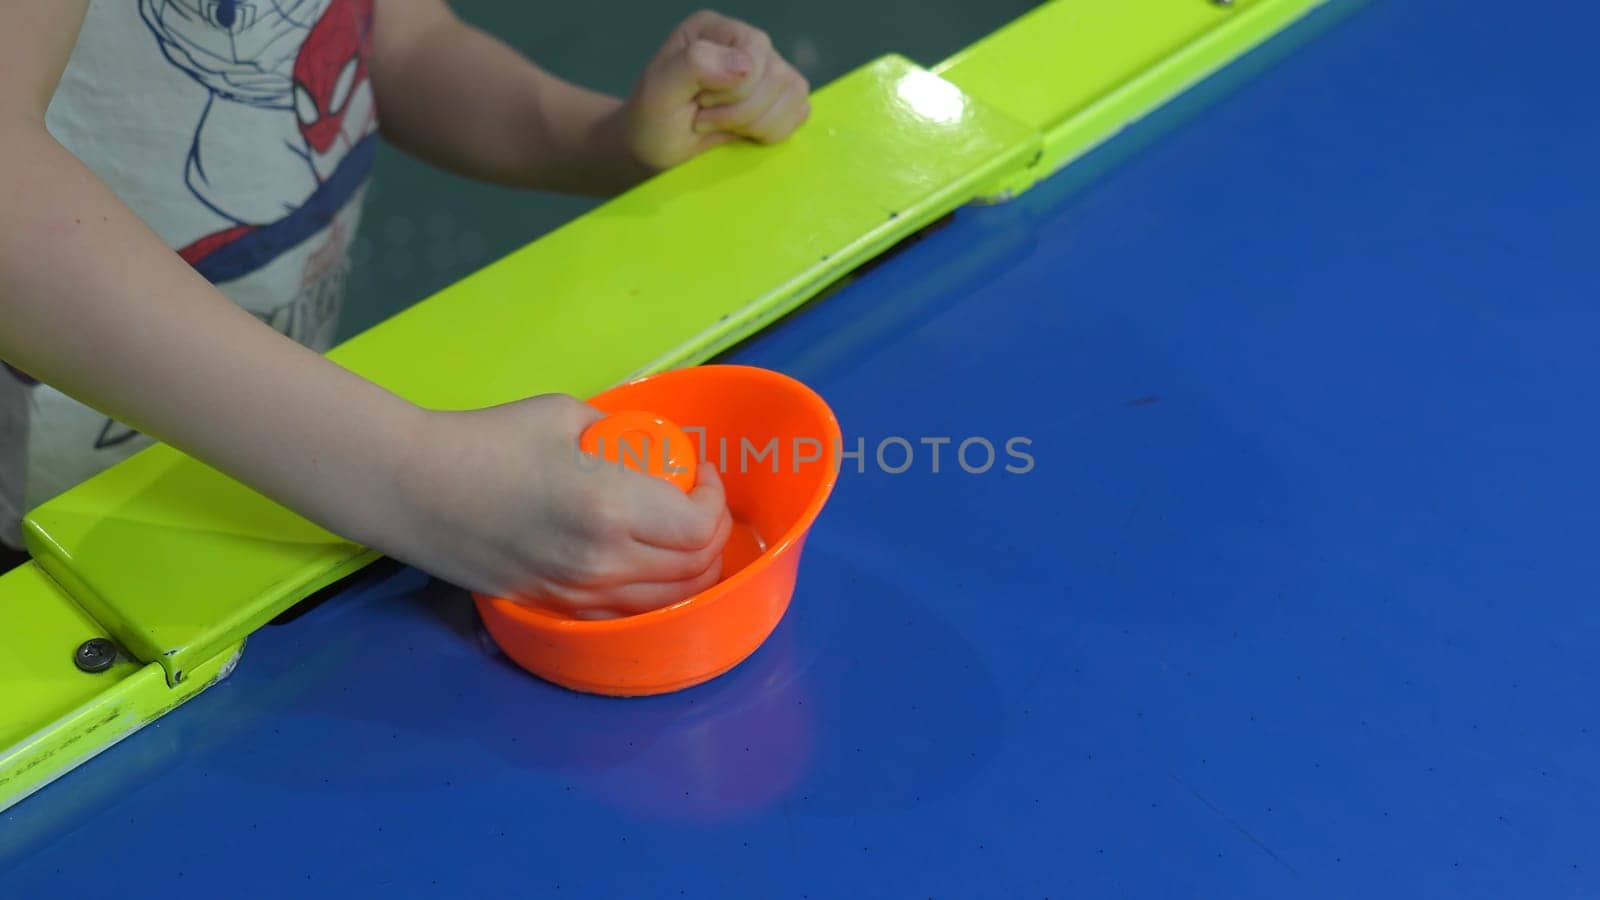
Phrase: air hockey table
[1297,597]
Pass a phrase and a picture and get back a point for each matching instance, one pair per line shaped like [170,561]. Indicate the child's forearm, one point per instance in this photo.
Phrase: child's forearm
[94,303]
[461,99]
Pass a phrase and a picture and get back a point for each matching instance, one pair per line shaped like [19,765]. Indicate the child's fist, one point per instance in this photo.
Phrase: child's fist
[498,501]
[715,79]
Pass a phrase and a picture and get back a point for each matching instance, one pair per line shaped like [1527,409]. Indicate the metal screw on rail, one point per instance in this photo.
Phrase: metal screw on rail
[95,655]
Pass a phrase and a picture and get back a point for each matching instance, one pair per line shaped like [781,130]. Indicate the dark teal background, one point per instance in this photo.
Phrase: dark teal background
[426,229]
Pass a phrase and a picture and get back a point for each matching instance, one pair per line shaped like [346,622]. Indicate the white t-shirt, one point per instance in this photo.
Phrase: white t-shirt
[241,131]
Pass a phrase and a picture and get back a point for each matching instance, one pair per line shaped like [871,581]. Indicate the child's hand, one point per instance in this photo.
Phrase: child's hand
[715,80]
[498,503]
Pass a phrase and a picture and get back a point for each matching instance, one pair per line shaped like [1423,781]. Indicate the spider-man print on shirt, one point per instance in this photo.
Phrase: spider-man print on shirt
[283,142]
[303,62]
[295,73]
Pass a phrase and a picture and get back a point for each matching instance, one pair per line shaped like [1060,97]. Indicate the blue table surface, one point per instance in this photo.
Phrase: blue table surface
[1298,599]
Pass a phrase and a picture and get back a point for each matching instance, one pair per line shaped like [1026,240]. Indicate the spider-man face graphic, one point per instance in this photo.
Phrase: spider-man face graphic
[294,73]
[331,68]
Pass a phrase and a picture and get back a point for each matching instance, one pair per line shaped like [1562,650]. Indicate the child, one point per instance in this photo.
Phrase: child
[164,157]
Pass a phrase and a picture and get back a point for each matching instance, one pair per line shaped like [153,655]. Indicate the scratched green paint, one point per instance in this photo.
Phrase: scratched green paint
[54,717]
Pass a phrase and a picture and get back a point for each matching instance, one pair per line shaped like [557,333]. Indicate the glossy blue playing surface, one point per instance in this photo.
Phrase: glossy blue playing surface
[1298,599]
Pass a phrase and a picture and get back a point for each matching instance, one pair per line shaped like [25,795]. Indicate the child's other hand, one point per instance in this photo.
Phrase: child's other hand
[499,503]
[716,79]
